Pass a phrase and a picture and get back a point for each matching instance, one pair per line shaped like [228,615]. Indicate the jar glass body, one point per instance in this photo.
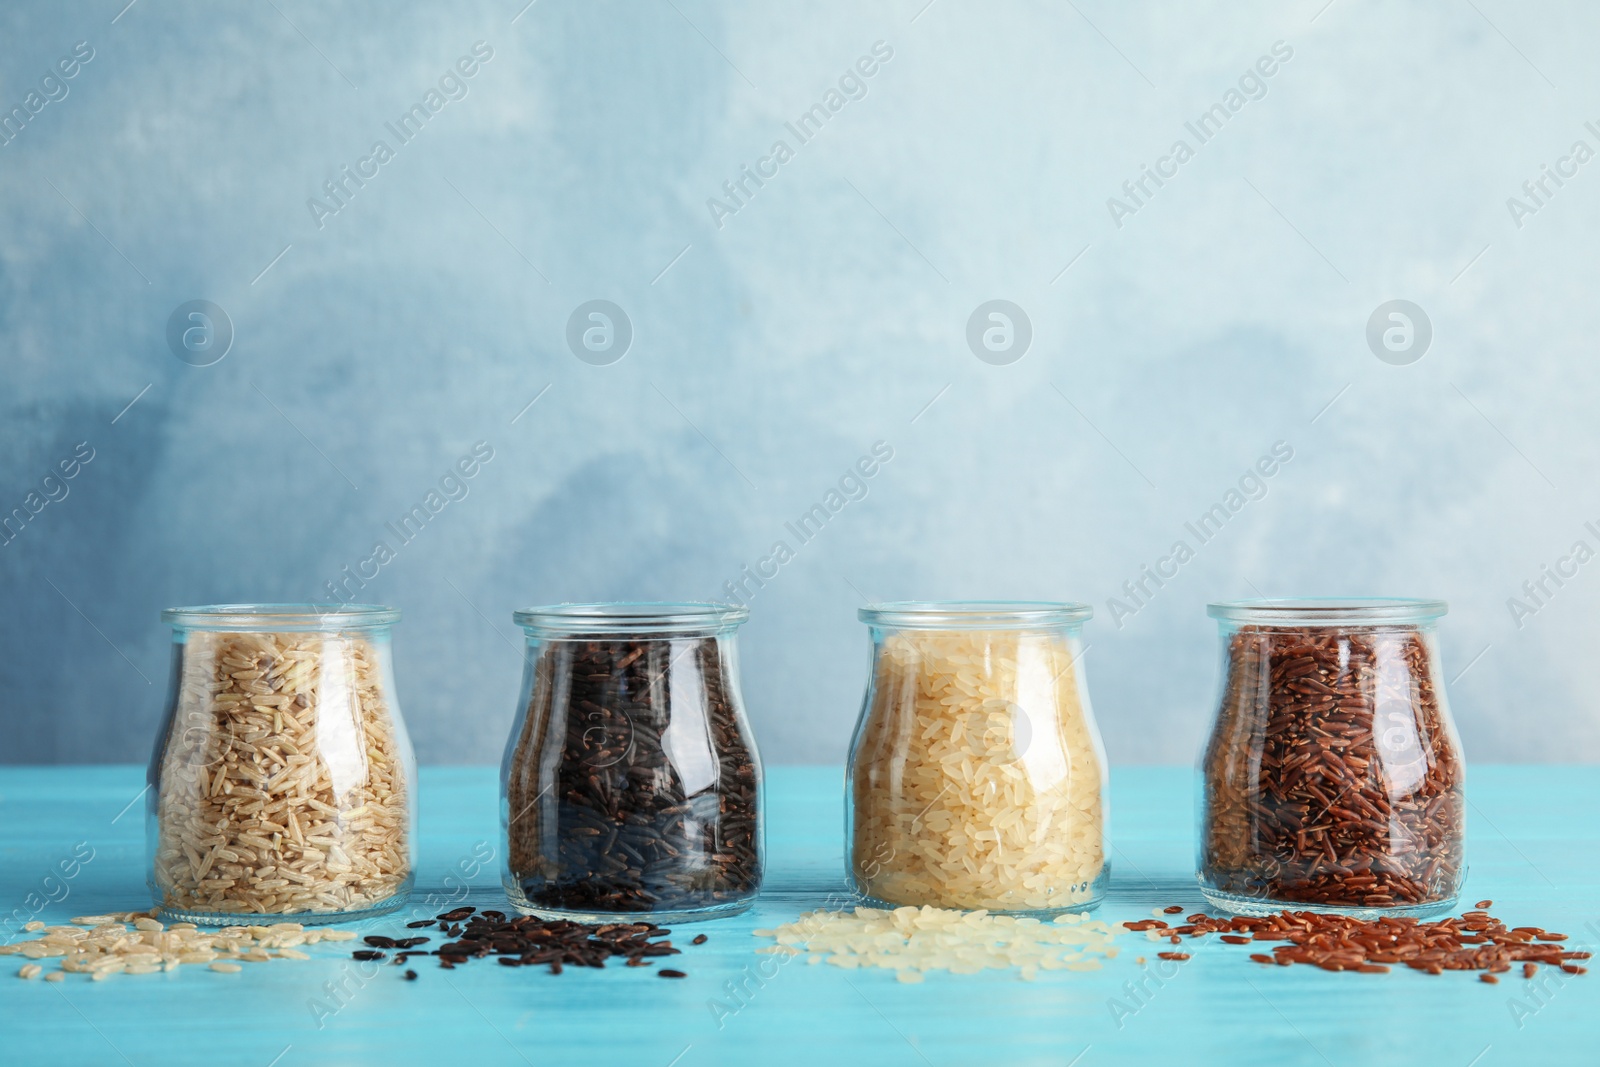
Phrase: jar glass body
[283,785]
[631,784]
[977,778]
[1333,778]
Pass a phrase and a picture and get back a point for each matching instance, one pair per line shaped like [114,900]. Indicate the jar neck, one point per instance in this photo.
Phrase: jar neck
[536,635]
[999,631]
[374,634]
[281,618]
[1425,626]
[1337,613]
[630,620]
[1008,615]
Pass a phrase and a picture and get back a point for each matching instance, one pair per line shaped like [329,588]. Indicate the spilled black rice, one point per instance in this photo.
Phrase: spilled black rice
[529,941]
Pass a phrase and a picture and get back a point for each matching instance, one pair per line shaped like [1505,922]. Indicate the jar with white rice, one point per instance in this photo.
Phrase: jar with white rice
[977,778]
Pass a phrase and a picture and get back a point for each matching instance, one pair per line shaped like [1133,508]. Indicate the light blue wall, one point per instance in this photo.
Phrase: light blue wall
[1227,312]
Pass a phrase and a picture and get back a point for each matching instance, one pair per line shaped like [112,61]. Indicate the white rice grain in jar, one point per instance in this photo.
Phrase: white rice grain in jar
[977,778]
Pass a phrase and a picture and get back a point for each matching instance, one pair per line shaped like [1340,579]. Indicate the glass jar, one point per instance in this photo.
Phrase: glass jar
[977,778]
[631,783]
[1333,779]
[283,783]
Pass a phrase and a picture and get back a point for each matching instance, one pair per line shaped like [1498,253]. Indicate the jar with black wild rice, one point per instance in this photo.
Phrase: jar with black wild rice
[1333,779]
[631,783]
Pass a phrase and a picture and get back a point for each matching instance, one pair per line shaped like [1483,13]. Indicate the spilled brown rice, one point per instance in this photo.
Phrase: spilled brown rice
[135,942]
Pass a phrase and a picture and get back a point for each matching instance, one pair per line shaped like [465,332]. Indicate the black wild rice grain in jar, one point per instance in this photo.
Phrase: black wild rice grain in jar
[631,783]
[1333,779]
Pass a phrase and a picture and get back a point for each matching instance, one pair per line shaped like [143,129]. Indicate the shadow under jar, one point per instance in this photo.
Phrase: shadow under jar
[631,783]
[977,777]
[1333,779]
[283,783]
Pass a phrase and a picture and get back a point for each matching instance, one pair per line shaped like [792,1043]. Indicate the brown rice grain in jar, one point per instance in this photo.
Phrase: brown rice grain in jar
[1333,779]
[977,779]
[283,784]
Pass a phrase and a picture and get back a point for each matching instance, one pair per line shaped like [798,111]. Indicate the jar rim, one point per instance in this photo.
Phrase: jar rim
[975,614]
[270,617]
[630,617]
[1328,610]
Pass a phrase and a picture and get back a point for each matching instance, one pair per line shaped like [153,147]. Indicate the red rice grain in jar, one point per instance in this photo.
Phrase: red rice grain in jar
[1333,779]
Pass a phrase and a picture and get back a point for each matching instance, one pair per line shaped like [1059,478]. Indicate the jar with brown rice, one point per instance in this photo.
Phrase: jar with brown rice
[283,782]
[977,778]
[1333,779]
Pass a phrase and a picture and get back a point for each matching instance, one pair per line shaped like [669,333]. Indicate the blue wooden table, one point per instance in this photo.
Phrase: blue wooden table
[1534,845]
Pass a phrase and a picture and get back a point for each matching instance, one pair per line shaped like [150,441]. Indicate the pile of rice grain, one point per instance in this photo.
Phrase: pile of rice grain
[283,782]
[134,942]
[910,941]
[977,779]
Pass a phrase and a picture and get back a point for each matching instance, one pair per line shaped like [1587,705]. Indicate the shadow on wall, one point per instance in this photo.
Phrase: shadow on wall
[81,655]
